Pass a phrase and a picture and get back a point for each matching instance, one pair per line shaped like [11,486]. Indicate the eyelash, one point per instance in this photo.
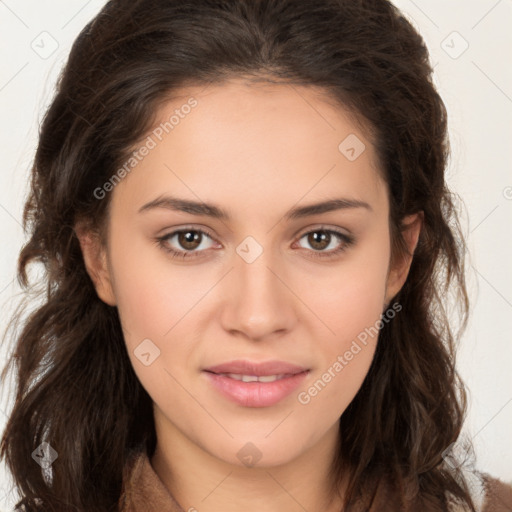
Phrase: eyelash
[346,239]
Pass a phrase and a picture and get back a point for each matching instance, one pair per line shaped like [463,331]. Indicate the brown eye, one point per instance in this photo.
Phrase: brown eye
[326,243]
[189,240]
[185,243]
[319,240]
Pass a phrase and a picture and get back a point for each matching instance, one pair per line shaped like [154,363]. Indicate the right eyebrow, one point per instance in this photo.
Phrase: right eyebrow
[187,206]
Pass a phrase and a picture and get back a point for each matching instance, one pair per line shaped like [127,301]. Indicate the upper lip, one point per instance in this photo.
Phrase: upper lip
[258,369]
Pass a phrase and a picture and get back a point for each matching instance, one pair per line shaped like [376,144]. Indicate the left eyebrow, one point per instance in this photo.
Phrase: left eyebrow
[211,210]
[326,206]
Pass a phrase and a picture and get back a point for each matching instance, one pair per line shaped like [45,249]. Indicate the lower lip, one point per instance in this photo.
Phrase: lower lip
[256,394]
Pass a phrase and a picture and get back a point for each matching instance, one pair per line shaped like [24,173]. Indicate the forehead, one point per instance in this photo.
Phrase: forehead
[260,145]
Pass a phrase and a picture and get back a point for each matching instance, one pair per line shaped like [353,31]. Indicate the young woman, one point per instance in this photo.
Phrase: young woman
[242,213]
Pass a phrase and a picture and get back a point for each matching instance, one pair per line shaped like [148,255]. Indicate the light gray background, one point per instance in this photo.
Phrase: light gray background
[476,84]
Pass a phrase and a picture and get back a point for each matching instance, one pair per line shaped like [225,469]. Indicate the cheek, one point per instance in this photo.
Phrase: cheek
[153,294]
[350,297]
[350,303]
[153,305]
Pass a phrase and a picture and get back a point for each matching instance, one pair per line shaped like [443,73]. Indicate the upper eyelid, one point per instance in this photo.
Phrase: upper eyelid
[323,227]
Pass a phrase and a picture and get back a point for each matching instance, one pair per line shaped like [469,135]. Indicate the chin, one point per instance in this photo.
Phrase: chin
[264,453]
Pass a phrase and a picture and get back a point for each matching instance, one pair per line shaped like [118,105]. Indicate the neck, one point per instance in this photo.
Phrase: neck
[199,481]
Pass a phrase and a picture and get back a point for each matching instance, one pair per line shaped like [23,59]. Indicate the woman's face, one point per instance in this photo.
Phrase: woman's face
[270,281]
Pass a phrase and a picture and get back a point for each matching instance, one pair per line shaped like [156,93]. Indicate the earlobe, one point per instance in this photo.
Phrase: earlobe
[95,260]
[411,228]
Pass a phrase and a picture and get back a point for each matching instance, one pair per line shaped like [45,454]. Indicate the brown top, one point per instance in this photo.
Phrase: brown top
[143,491]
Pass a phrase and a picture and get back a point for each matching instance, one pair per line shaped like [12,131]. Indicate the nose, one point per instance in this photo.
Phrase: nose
[259,302]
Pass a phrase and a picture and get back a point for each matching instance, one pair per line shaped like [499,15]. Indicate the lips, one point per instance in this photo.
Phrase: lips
[242,367]
[252,384]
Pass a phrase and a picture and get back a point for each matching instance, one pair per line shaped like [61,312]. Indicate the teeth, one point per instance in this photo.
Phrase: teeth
[253,378]
[269,378]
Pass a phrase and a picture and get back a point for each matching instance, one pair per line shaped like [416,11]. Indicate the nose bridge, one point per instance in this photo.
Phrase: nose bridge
[258,302]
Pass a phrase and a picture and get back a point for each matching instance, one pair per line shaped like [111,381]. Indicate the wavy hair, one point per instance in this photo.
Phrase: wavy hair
[80,394]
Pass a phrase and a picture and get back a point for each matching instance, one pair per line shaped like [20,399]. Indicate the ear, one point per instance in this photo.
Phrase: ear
[397,274]
[96,263]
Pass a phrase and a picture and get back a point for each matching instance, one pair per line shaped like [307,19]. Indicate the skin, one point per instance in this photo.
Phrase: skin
[256,151]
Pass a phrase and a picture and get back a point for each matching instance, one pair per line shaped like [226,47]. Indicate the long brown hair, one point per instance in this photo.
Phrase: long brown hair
[75,386]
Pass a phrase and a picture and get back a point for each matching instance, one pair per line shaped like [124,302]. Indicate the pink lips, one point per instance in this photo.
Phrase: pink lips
[256,394]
